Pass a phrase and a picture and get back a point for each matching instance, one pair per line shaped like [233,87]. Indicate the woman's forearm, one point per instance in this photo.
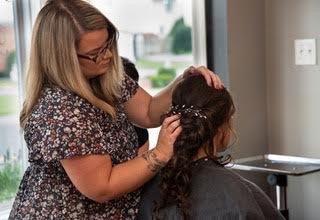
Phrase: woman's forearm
[129,176]
[98,179]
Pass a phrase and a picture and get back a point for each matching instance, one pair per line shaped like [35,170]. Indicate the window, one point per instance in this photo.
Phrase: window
[14,30]
[10,143]
[157,36]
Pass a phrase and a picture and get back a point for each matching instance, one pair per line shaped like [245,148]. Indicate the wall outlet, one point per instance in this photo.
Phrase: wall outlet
[305,52]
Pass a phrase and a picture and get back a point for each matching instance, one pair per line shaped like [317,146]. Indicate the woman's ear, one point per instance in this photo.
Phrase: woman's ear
[222,138]
[217,142]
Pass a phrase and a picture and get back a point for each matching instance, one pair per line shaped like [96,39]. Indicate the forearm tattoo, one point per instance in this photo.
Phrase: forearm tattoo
[154,163]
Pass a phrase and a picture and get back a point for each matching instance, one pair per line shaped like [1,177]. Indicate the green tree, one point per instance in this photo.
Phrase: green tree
[11,58]
[181,38]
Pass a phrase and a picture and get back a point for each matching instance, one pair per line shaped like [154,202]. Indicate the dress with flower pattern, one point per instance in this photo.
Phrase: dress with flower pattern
[64,125]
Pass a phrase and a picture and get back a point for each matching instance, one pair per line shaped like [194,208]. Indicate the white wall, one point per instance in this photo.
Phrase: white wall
[278,102]
[246,52]
[247,80]
[293,95]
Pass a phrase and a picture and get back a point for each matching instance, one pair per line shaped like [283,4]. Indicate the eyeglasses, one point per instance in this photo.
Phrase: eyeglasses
[99,56]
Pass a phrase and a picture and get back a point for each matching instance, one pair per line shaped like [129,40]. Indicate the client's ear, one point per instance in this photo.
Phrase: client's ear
[222,138]
[217,139]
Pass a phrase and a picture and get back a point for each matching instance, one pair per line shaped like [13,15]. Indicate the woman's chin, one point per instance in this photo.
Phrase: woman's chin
[94,75]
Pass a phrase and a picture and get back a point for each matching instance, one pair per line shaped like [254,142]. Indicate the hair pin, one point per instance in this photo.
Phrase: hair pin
[177,109]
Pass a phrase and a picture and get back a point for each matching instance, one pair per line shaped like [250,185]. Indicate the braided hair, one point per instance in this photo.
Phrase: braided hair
[204,111]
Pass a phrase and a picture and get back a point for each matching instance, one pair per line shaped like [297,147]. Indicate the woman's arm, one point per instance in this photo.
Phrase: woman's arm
[96,178]
[145,110]
[144,148]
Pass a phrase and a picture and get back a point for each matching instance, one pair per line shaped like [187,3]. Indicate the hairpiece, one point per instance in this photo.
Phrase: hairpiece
[178,109]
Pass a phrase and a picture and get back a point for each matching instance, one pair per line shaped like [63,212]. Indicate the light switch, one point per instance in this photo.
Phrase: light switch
[305,52]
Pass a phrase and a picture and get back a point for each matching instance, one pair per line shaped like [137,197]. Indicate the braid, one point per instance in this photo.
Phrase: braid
[176,176]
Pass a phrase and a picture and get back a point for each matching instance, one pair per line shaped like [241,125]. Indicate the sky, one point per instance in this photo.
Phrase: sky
[6,13]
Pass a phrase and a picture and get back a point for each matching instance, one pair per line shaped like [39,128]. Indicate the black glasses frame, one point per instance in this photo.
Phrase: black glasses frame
[101,53]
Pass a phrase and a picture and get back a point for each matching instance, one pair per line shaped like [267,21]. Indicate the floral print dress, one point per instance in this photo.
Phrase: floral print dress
[64,125]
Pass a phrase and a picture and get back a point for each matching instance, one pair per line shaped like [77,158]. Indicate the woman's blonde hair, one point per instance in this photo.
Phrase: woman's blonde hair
[54,61]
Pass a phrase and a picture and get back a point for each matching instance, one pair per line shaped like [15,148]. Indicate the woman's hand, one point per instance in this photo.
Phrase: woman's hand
[211,77]
[168,134]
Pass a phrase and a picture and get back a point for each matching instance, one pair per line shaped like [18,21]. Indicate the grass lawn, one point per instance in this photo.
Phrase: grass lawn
[148,64]
[7,82]
[178,65]
[8,105]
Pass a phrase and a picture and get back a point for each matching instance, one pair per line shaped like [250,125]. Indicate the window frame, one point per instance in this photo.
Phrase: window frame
[24,15]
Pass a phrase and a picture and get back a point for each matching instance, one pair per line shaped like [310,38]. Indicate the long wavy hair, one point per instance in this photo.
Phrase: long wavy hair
[197,132]
[53,57]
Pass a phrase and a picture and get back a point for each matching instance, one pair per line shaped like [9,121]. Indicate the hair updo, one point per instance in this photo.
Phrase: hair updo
[204,110]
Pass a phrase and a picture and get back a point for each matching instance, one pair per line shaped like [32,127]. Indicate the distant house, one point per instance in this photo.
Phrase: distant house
[7,45]
[148,44]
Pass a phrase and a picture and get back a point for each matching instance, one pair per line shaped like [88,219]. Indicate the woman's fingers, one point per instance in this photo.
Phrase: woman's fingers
[189,71]
[216,80]
[211,78]
[173,126]
[177,132]
[169,120]
[168,133]
[205,72]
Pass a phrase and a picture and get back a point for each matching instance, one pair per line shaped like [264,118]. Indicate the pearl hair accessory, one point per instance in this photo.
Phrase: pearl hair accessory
[178,109]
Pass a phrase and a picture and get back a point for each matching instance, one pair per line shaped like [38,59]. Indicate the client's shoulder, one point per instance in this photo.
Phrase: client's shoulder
[208,176]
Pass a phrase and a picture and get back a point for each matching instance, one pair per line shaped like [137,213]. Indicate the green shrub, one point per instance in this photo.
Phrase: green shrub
[10,177]
[163,77]
[167,71]
[160,81]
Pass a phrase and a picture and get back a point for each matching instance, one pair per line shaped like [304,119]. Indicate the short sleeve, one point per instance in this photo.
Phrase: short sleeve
[72,131]
[129,87]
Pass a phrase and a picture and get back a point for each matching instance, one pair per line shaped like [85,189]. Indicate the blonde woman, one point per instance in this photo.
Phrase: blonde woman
[77,120]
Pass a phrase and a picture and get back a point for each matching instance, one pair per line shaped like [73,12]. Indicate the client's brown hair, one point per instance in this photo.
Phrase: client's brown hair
[204,112]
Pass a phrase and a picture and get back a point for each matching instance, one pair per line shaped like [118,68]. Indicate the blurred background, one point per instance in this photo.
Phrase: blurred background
[251,44]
